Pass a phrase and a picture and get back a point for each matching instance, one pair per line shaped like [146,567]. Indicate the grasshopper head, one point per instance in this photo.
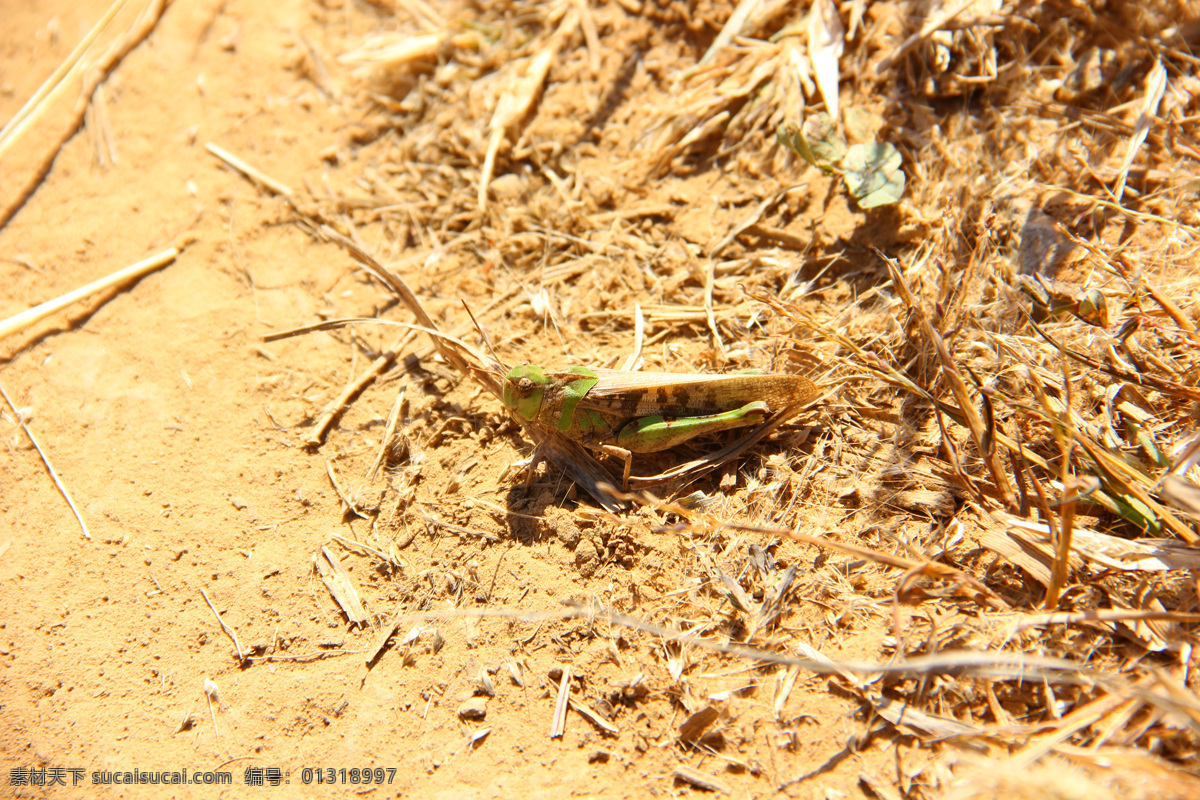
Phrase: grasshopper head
[523,390]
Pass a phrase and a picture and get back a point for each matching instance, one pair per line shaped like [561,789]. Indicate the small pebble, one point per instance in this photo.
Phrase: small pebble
[474,708]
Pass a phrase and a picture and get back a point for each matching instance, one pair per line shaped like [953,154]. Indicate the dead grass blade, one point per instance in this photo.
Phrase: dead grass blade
[26,318]
[58,483]
[958,386]
[253,173]
[1167,386]
[340,585]
[90,76]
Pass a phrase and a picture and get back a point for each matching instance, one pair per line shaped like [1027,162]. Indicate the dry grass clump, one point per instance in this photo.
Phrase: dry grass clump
[1011,352]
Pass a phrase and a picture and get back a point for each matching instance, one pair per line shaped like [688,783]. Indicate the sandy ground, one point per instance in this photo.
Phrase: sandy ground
[181,435]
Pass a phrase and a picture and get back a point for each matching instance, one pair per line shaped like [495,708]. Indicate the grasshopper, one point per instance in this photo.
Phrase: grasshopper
[622,413]
[615,412]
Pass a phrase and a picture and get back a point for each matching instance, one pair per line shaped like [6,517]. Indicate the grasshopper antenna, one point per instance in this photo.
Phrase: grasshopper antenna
[486,340]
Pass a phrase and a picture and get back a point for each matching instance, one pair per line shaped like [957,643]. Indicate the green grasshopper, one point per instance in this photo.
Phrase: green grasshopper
[622,413]
[614,412]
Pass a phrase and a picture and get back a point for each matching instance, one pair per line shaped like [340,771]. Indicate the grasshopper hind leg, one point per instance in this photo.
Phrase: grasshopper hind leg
[654,433]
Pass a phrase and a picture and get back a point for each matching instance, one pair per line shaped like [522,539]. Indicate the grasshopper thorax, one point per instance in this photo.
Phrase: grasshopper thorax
[524,388]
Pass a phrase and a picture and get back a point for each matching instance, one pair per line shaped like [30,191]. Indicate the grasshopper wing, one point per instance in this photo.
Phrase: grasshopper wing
[639,394]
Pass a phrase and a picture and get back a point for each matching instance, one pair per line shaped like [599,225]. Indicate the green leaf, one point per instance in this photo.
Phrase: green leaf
[1146,439]
[817,141]
[789,136]
[1137,512]
[873,174]
[1130,509]
[826,143]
